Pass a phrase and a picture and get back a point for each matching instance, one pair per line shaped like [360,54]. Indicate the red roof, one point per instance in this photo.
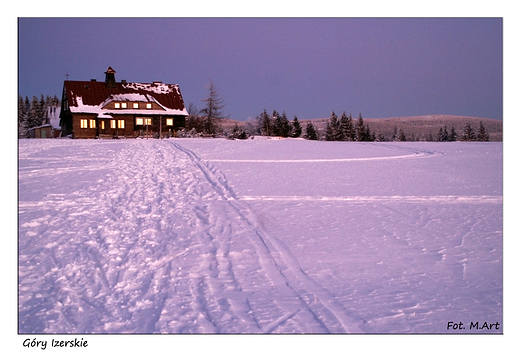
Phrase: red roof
[93,93]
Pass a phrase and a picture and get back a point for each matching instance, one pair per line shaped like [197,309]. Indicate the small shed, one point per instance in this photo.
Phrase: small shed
[51,128]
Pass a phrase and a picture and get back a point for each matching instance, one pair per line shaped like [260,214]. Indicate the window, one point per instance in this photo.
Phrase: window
[169,122]
[148,105]
[148,121]
[92,123]
[120,124]
[83,123]
[123,105]
[117,105]
[138,121]
[112,124]
[136,105]
[102,125]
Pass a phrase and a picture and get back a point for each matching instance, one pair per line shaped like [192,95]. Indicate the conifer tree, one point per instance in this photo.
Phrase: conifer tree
[275,131]
[285,125]
[482,133]
[296,129]
[452,135]
[35,113]
[469,134]
[311,133]
[368,134]
[360,129]
[264,123]
[333,132]
[212,112]
[22,118]
[281,125]
[442,135]
[346,128]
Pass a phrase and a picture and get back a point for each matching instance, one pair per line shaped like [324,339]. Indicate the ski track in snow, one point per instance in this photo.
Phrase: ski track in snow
[110,258]
[411,153]
[153,239]
[372,199]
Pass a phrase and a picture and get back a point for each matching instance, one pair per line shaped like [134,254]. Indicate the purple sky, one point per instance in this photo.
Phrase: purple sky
[308,67]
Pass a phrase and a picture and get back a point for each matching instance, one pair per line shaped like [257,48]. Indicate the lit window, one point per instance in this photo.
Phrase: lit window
[117,105]
[92,123]
[112,124]
[83,123]
[102,125]
[148,121]
[148,105]
[136,105]
[169,122]
[123,105]
[138,121]
[120,124]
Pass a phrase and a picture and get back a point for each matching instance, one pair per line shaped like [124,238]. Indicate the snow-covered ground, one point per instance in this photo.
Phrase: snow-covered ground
[268,236]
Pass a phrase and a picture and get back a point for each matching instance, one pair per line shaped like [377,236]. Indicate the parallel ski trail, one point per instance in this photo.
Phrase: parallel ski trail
[280,266]
[157,241]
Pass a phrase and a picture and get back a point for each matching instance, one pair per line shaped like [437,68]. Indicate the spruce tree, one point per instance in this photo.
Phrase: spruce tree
[296,130]
[333,132]
[469,134]
[22,118]
[35,114]
[311,133]
[275,131]
[281,125]
[453,135]
[368,134]
[360,129]
[346,128]
[482,133]
[212,112]
[442,136]
[264,123]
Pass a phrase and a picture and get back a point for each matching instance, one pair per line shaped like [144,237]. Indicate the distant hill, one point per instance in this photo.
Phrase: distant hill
[414,127]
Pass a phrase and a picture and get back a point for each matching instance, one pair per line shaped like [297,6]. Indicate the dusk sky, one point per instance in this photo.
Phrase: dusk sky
[308,67]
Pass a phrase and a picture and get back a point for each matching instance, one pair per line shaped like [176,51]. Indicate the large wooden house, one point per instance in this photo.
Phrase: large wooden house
[110,109]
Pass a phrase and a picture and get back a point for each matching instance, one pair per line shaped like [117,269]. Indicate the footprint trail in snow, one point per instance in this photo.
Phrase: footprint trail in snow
[146,237]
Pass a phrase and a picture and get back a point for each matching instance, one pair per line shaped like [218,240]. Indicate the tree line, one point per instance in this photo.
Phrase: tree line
[345,129]
[34,112]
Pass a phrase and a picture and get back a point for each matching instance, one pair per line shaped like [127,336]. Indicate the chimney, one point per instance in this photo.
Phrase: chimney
[110,78]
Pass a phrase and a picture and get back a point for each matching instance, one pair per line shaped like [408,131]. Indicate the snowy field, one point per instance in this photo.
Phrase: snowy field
[258,236]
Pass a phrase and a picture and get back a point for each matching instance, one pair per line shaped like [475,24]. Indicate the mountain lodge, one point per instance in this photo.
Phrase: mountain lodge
[110,109]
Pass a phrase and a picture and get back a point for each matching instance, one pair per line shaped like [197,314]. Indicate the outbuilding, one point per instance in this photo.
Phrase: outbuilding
[51,127]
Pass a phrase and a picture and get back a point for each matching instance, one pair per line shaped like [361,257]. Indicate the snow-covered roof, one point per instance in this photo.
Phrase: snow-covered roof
[93,97]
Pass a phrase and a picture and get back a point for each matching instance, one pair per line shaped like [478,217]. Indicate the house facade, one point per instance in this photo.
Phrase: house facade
[110,109]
